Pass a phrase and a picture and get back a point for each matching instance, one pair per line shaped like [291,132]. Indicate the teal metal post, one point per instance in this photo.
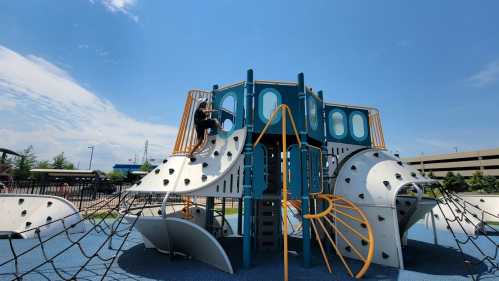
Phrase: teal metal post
[210,201]
[248,164]
[302,96]
[325,170]
[218,114]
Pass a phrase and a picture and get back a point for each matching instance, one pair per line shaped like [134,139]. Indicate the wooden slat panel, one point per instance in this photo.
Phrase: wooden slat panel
[186,137]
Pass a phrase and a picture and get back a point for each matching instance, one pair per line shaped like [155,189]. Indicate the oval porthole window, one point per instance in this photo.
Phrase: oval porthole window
[228,110]
[269,100]
[359,126]
[312,113]
[337,123]
[227,125]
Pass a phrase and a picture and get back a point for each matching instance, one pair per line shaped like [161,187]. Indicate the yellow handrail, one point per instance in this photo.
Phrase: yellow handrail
[285,190]
[323,213]
[283,108]
[271,119]
[329,211]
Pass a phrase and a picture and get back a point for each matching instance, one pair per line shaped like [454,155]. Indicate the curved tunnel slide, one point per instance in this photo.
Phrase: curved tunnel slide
[23,213]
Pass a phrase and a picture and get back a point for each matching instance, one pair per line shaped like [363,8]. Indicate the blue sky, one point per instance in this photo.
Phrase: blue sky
[431,67]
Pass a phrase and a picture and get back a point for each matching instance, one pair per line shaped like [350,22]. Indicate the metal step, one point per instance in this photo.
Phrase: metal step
[269,225]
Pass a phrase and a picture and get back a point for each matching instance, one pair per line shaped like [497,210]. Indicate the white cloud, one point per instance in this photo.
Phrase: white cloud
[121,6]
[488,75]
[41,104]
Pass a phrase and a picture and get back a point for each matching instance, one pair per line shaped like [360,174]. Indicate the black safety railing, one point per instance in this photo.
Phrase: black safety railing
[83,193]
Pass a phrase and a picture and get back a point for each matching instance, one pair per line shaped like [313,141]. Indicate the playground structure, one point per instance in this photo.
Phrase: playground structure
[283,147]
[296,168]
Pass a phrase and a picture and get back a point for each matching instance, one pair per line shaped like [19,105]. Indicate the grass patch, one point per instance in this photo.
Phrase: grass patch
[101,215]
[229,211]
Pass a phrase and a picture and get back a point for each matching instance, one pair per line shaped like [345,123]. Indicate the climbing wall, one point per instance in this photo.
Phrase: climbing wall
[372,179]
[22,214]
[217,170]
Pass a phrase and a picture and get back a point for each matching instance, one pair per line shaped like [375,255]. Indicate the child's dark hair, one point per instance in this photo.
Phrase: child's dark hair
[203,104]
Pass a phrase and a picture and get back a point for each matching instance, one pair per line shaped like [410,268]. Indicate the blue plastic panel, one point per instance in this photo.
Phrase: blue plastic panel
[314,170]
[315,124]
[294,170]
[237,116]
[267,97]
[259,170]
[354,128]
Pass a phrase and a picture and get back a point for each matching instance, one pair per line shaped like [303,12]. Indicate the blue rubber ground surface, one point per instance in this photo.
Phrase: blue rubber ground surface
[423,260]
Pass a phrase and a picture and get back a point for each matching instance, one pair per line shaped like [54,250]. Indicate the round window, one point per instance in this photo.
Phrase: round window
[337,123]
[269,100]
[359,126]
[227,110]
[312,113]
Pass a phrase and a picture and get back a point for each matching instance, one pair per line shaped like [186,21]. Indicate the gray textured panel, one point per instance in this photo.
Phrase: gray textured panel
[189,238]
[182,236]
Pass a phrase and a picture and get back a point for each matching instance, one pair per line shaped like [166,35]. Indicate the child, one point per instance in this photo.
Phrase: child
[202,123]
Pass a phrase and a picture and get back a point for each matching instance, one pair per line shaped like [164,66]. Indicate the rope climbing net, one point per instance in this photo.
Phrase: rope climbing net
[458,213]
[75,256]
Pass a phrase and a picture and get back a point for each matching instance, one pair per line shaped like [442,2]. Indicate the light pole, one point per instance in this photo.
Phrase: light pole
[91,156]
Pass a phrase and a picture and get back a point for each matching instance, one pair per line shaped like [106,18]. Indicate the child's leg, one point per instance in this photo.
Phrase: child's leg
[200,130]
[198,144]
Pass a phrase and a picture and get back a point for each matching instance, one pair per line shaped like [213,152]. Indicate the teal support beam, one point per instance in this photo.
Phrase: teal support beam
[304,184]
[325,170]
[247,181]
[218,114]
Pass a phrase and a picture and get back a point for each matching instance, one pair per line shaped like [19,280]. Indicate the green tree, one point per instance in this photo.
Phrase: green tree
[476,181]
[431,175]
[146,167]
[490,184]
[116,176]
[60,162]
[44,164]
[455,182]
[24,164]
[479,182]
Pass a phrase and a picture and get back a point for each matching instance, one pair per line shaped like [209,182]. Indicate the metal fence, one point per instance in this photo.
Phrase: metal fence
[83,194]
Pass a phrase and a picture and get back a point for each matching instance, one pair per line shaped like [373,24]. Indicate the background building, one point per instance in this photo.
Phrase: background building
[464,163]
[126,168]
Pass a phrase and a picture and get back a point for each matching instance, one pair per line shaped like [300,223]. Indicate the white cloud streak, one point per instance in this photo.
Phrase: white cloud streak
[488,75]
[121,6]
[41,104]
